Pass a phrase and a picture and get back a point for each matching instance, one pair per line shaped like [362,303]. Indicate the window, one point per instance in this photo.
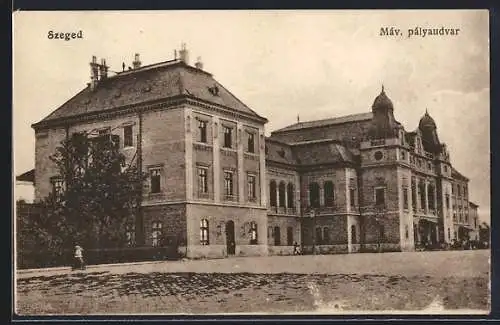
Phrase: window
[202,131]
[157,233]
[403,155]
[277,236]
[202,180]
[405,198]
[430,197]
[289,236]
[253,233]
[57,188]
[272,193]
[378,155]
[326,236]
[380,196]
[128,138]
[155,175]
[465,191]
[422,195]
[447,199]
[130,234]
[314,195]
[352,197]
[381,232]
[445,168]
[429,166]
[228,184]
[475,222]
[204,240]
[281,190]
[354,239]
[290,195]
[318,238]
[407,234]
[251,188]
[449,233]
[251,142]
[329,193]
[228,137]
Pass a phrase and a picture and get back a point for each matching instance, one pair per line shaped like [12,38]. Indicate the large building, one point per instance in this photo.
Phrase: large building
[219,187]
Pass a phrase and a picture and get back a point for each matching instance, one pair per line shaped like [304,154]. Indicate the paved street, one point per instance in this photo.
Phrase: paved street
[403,281]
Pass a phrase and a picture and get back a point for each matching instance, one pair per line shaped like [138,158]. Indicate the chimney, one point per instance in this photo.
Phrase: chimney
[137,63]
[184,54]
[199,64]
[94,72]
[103,70]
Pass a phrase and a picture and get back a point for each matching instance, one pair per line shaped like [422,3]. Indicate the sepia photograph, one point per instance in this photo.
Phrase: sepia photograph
[251,162]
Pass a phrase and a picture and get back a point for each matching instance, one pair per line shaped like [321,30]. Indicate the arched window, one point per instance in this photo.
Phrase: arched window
[329,193]
[290,195]
[354,238]
[314,195]
[281,190]
[156,233]
[253,233]
[277,236]
[204,239]
[272,193]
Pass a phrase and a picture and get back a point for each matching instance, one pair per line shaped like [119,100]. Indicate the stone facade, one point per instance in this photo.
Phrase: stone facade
[217,187]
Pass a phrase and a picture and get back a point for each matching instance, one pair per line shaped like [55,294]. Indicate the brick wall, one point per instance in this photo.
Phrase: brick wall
[320,176]
[283,223]
[217,217]
[46,143]
[163,144]
[390,223]
[173,218]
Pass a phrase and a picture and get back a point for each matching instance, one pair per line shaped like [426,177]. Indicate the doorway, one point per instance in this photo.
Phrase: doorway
[230,243]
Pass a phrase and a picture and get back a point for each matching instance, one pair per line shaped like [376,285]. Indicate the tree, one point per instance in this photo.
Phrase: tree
[97,193]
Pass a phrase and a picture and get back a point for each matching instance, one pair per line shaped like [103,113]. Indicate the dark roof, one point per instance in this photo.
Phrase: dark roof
[149,83]
[279,152]
[327,122]
[322,153]
[382,101]
[473,204]
[307,153]
[457,175]
[28,176]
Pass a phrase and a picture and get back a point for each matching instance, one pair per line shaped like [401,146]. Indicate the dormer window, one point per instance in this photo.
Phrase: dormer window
[214,90]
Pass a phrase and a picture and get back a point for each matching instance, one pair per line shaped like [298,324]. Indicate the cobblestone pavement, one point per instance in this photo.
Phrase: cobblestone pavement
[129,292]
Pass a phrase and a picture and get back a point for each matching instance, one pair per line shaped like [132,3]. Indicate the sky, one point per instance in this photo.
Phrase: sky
[282,64]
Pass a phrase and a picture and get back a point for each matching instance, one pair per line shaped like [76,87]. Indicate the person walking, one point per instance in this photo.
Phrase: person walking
[79,262]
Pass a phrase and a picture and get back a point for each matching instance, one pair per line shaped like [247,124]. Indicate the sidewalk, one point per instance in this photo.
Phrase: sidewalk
[64,269]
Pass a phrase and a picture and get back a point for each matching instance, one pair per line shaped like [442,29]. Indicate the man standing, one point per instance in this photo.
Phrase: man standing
[79,263]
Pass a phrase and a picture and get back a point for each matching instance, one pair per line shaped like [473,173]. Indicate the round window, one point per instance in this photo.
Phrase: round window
[378,155]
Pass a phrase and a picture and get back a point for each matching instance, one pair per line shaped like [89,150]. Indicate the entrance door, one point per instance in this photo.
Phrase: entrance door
[231,245]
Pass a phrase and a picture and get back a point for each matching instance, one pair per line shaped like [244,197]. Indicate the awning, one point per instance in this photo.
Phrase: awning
[426,218]
[28,176]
